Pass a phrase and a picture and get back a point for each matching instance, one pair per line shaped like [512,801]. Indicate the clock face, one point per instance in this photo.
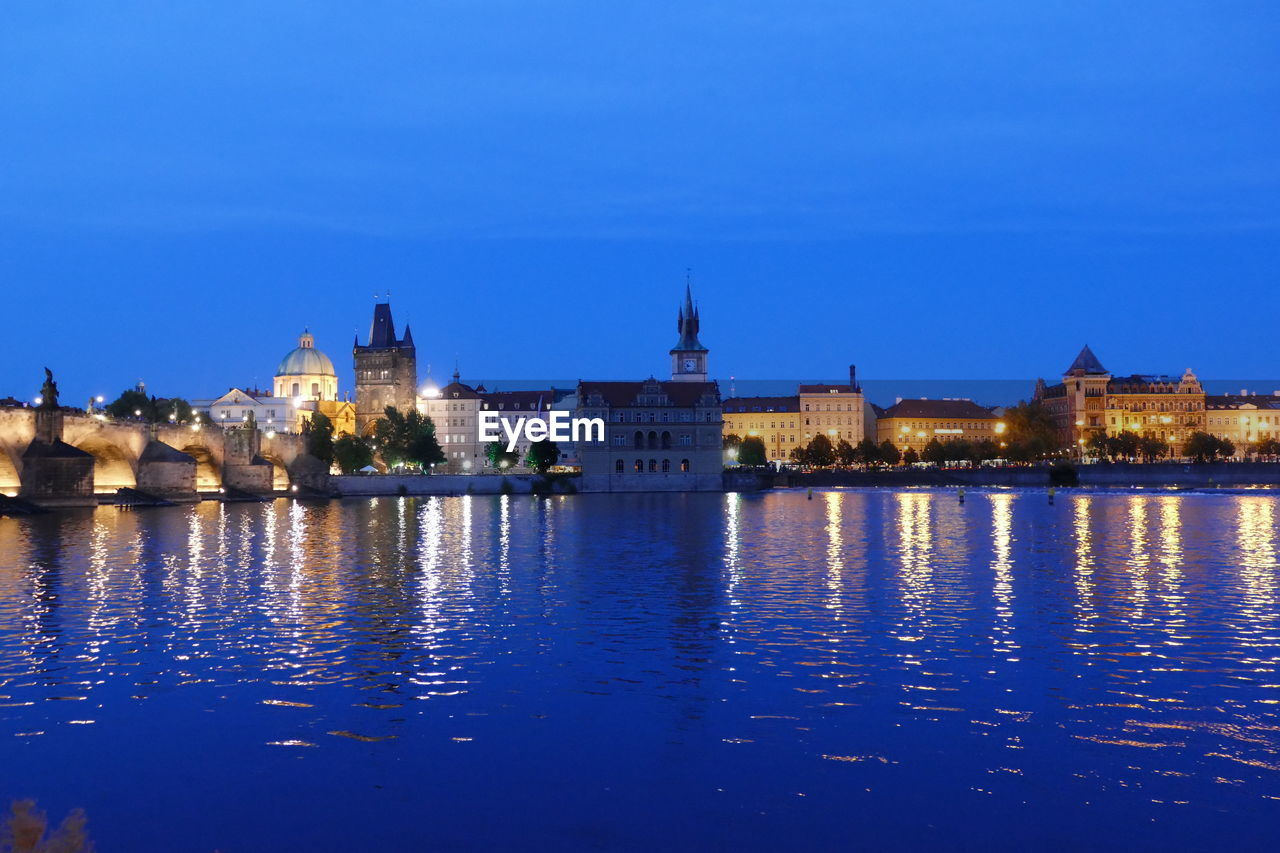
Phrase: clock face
[690,365]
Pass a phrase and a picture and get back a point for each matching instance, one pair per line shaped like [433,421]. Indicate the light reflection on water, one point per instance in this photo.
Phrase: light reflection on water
[635,671]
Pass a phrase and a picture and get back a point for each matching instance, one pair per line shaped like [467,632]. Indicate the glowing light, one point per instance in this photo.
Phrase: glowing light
[1001,426]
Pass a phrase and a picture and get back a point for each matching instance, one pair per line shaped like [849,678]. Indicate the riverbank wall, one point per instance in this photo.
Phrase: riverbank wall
[1121,475]
[391,485]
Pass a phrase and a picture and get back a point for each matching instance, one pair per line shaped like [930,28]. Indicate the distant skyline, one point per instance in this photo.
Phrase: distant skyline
[969,191]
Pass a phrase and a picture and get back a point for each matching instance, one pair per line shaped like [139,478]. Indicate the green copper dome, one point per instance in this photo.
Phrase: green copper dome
[306,360]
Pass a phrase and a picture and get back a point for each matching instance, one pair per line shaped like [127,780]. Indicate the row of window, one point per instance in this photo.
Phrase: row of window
[619,467]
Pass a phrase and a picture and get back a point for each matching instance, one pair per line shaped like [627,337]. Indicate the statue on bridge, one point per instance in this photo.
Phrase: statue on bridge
[49,391]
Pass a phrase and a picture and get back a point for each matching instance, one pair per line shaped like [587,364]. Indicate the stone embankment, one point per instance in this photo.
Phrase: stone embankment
[1155,475]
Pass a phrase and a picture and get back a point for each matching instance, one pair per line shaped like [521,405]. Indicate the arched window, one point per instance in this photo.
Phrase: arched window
[617,467]
[315,389]
[639,440]
[653,440]
[653,466]
[666,466]
[295,390]
[684,465]
[639,466]
[666,440]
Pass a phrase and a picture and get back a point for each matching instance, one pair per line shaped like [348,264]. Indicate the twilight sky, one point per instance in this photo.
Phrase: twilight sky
[962,189]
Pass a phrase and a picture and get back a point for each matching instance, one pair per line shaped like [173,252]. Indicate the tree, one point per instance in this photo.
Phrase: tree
[1030,426]
[1267,447]
[910,457]
[888,453]
[499,457]
[542,455]
[1203,447]
[352,453]
[407,439]
[319,436]
[1151,448]
[800,455]
[731,441]
[1098,444]
[1125,445]
[136,404]
[984,449]
[751,452]
[820,452]
[934,452]
[846,454]
[867,452]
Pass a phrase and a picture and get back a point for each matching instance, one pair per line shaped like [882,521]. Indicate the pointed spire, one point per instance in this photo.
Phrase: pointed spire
[1086,363]
[407,340]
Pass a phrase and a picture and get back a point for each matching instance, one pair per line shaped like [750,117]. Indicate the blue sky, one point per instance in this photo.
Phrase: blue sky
[968,189]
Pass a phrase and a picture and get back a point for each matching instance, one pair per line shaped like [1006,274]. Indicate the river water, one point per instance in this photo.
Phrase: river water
[859,670]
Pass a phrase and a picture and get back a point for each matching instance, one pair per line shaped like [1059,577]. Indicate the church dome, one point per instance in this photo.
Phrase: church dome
[306,360]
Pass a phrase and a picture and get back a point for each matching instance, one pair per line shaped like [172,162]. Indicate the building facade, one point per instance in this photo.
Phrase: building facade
[1244,419]
[306,376]
[386,370]
[836,411]
[659,435]
[776,421]
[912,424]
[1090,400]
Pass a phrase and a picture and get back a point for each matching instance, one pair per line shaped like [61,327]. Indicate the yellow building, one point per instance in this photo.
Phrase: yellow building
[785,423]
[914,423]
[836,411]
[1156,406]
[774,420]
[1244,419]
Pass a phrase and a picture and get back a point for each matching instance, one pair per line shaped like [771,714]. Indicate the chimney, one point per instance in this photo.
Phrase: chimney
[853,377]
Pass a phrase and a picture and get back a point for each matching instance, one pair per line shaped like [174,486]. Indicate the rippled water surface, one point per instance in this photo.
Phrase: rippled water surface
[865,669]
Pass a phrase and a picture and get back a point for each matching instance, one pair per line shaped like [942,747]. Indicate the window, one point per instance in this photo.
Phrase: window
[653,466]
[617,467]
[639,440]
[639,466]
[684,465]
[666,466]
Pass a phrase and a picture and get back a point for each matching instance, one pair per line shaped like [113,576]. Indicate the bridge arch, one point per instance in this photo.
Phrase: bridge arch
[114,466]
[279,472]
[10,480]
[208,472]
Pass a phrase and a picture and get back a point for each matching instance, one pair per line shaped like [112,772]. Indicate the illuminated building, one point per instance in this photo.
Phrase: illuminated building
[306,376]
[1244,419]
[914,423]
[659,435]
[386,370]
[775,421]
[1090,400]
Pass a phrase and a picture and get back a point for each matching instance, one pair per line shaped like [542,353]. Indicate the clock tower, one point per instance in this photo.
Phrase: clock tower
[688,356]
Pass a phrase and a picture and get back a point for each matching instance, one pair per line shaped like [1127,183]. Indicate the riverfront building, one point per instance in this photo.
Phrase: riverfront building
[914,423]
[1090,400]
[659,435]
[386,370]
[774,420]
[1244,419]
[783,423]
[306,376]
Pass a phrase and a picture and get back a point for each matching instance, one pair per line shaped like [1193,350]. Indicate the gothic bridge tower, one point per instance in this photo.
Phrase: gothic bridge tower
[386,370]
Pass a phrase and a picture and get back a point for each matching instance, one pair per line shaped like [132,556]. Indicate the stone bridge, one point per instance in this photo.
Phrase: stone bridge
[123,452]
